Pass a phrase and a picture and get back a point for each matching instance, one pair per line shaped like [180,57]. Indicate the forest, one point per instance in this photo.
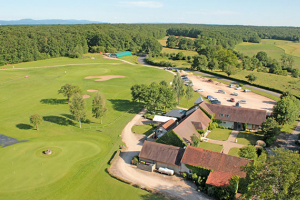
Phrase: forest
[29,43]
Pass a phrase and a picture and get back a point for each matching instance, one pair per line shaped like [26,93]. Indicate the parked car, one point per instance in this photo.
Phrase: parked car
[189,82]
[242,101]
[238,88]
[209,97]
[216,102]
[183,75]
[232,99]
[246,90]
[221,91]
[235,94]
[186,80]
[237,104]
[214,99]
[231,85]
[199,90]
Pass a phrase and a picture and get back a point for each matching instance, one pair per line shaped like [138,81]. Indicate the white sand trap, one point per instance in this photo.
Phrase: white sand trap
[104,78]
[86,96]
[92,90]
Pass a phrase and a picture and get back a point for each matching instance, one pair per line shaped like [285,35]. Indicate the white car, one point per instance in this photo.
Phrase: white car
[199,90]
[187,83]
[231,85]
[246,90]
[238,88]
[235,94]
[242,101]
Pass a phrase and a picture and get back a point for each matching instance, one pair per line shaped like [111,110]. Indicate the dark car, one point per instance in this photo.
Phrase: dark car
[232,99]
[216,102]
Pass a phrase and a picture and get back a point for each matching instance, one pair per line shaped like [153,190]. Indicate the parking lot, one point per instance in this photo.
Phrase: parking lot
[253,100]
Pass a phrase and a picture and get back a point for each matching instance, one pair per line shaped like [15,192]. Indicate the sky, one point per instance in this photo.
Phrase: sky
[235,12]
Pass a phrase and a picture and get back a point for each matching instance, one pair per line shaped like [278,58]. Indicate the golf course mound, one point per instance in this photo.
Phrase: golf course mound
[28,167]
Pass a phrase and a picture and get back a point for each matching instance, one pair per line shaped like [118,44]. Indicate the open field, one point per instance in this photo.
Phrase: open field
[234,152]
[76,170]
[246,138]
[210,146]
[163,42]
[143,129]
[274,49]
[219,134]
[185,52]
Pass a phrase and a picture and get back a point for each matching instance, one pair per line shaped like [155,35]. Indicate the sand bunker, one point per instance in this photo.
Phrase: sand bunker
[86,96]
[92,90]
[104,78]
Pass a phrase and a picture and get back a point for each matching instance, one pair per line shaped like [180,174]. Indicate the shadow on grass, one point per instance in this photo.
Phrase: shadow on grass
[59,120]
[54,101]
[124,105]
[24,126]
[68,116]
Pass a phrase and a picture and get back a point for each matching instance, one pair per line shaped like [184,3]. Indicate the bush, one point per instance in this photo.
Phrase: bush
[213,126]
[135,160]
[245,126]
[194,176]
[269,141]
[184,175]
[222,127]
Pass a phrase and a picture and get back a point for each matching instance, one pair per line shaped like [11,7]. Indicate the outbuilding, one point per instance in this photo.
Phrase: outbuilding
[120,54]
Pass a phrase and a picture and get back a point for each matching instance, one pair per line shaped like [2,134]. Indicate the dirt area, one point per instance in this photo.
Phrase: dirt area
[86,96]
[104,78]
[254,100]
[90,90]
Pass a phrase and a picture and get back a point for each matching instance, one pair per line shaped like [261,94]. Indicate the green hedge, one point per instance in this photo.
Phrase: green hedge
[200,171]
[171,138]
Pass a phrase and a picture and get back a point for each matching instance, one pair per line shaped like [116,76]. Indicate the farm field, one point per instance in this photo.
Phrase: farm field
[274,49]
[77,167]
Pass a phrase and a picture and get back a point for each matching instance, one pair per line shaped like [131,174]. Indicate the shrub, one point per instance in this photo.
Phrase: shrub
[184,175]
[135,160]
[213,126]
[194,176]
[245,126]
[222,127]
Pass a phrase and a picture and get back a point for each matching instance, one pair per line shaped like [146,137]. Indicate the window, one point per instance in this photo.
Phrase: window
[226,115]
[221,115]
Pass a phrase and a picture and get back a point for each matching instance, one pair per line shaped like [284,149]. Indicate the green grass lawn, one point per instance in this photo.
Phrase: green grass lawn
[234,151]
[76,170]
[185,52]
[132,58]
[219,134]
[143,129]
[246,138]
[210,146]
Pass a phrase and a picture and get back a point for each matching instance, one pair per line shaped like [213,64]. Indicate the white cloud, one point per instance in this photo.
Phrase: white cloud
[142,4]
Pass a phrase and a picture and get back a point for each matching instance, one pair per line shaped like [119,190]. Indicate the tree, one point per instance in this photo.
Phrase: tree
[36,119]
[98,107]
[287,62]
[262,57]
[189,93]
[195,140]
[69,90]
[199,62]
[172,41]
[213,64]
[167,97]
[248,152]
[78,108]
[270,129]
[275,177]
[286,110]
[251,77]
[178,87]
[152,46]
[230,70]
[295,73]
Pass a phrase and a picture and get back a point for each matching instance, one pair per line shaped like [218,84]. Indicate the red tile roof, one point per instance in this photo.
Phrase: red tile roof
[236,114]
[219,178]
[167,125]
[161,153]
[203,105]
[217,162]
[189,126]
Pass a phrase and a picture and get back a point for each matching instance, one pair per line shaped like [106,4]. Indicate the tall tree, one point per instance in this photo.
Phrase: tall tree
[98,107]
[270,128]
[36,119]
[188,93]
[167,97]
[262,57]
[172,41]
[199,62]
[78,108]
[213,64]
[69,90]
[178,87]
[230,70]
[276,177]
[286,110]
[248,152]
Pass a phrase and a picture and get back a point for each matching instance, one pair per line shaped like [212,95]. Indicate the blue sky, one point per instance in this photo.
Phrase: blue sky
[250,12]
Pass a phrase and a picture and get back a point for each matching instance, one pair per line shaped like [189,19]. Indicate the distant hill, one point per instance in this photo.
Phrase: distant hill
[46,21]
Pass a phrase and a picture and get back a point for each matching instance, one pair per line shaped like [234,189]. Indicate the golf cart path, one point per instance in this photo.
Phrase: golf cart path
[173,186]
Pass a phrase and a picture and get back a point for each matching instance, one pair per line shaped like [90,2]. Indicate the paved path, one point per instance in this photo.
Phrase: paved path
[228,144]
[173,186]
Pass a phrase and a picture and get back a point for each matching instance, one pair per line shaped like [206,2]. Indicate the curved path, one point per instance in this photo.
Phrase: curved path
[173,186]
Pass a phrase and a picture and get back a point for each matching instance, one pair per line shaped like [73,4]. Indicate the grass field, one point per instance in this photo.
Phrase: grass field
[274,49]
[246,138]
[132,58]
[76,170]
[143,129]
[210,146]
[219,134]
[185,52]
[234,151]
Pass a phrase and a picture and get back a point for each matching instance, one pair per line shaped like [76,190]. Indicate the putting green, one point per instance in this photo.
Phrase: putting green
[25,166]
